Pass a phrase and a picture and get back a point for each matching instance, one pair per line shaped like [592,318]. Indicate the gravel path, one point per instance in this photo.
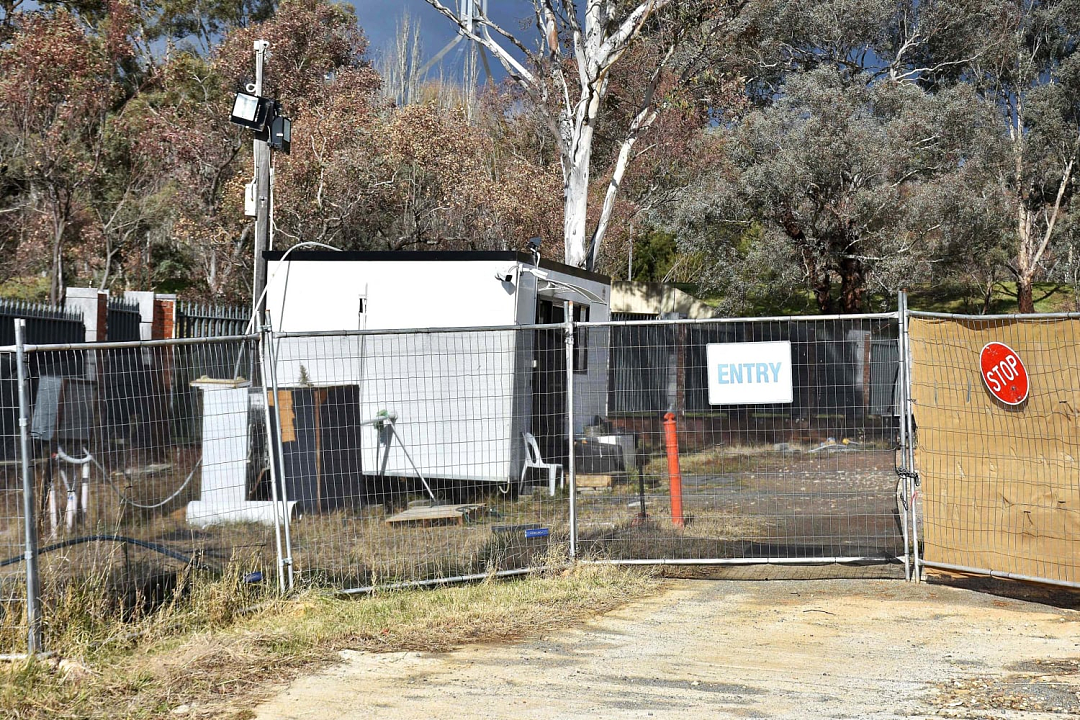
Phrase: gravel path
[736,649]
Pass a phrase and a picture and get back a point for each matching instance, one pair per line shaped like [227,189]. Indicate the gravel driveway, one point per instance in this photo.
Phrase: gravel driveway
[736,649]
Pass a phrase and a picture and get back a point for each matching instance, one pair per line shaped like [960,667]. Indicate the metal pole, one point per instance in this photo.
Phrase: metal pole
[910,459]
[271,434]
[33,580]
[901,411]
[571,475]
[261,151]
[272,356]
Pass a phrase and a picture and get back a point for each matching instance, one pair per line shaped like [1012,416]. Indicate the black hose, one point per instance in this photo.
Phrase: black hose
[167,551]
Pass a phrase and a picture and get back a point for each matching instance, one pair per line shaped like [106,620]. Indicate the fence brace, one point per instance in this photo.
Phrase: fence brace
[909,421]
[33,579]
[271,434]
[570,471]
[270,365]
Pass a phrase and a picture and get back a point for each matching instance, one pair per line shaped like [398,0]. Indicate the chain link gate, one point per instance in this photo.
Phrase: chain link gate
[130,478]
[421,456]
[425,456]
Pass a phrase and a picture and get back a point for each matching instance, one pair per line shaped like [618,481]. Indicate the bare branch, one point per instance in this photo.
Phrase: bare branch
[512,67]
[615,43]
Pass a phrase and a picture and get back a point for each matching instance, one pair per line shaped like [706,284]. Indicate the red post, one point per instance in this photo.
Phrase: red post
[671,443]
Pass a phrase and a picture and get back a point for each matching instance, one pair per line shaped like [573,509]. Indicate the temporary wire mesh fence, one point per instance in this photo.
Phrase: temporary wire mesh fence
[998,473]
[418,456]
[405,454]
[12,567]
[807,480]
[145,457]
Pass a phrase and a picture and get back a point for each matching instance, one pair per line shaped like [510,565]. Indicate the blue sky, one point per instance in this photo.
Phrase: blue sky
[380,18]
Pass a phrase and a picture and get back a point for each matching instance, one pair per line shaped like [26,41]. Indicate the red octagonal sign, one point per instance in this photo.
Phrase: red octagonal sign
[1004,373]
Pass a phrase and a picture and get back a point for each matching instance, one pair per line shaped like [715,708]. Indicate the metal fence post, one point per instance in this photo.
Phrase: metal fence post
[33,579]
[901,411]
[271,433]
[271,359]
[572,481]
[909,451]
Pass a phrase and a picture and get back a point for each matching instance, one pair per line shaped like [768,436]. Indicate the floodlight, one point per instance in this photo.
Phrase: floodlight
[251,111]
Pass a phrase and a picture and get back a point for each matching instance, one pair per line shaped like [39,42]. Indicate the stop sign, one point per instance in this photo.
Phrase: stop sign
[1004,373]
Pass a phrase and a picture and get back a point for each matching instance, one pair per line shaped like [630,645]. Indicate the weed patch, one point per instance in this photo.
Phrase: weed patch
[203,652]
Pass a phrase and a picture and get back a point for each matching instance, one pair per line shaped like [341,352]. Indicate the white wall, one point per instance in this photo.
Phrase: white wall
[453,392]
[325,294]
[462,398]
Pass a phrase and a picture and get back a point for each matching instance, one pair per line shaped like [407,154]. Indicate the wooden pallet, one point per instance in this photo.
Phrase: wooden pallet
[436,515]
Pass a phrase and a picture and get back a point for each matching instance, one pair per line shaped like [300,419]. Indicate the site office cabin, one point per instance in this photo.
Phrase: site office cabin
[432,338]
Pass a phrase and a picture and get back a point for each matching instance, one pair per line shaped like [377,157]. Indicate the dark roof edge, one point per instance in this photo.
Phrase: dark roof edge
[433,255]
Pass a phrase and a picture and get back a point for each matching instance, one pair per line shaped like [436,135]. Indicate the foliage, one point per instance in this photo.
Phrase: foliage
[763,149]
[874,160]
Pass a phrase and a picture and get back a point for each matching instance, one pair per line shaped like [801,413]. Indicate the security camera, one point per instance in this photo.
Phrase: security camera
[534,248]
[506,275]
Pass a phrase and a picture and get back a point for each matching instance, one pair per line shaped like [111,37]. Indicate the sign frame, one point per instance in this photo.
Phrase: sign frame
[765,371]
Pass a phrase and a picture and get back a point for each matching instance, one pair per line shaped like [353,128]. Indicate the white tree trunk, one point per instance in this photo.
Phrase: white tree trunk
[595,48]
[575,215]
[641,122]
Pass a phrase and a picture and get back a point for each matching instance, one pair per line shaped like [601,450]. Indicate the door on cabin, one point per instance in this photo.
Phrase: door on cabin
[549,383]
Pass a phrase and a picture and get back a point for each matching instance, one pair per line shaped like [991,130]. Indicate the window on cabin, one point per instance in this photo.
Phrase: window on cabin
[581,340]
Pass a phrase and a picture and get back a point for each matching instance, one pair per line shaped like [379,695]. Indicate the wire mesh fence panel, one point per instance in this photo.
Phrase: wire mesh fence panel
[12,566]
[404,454]
[777,437]
[128,498]
[997,450]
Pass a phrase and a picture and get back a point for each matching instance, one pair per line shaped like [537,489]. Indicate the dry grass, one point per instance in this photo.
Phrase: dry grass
[716,460]
[355,547]
[202,653]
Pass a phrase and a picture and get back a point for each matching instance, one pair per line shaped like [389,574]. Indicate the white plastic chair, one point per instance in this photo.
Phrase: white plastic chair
[533,460]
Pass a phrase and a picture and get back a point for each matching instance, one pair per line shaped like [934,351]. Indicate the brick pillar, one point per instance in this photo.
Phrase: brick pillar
[155,379]
[164,320]
[163,328]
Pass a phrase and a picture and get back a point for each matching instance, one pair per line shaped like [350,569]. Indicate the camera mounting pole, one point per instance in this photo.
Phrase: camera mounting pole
[263,190]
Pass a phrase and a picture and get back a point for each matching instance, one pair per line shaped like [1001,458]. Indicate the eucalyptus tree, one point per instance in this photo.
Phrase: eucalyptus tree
[565,63]
[851,182]
[860,154]
[58,86]
[1030,73]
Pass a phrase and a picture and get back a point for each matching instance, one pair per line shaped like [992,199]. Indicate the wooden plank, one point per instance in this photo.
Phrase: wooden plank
[288,417]
[435,515]
[594,481]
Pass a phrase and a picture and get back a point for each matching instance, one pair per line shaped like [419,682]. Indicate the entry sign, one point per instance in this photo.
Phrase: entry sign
[1004,374]
[752,373]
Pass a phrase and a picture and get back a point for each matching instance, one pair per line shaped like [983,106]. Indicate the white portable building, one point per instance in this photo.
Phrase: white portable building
[462,397]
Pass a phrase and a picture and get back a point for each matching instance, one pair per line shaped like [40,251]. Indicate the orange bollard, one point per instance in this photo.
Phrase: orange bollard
[671,443]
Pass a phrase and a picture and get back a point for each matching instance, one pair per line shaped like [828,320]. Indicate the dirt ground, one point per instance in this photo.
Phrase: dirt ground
[736,649]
